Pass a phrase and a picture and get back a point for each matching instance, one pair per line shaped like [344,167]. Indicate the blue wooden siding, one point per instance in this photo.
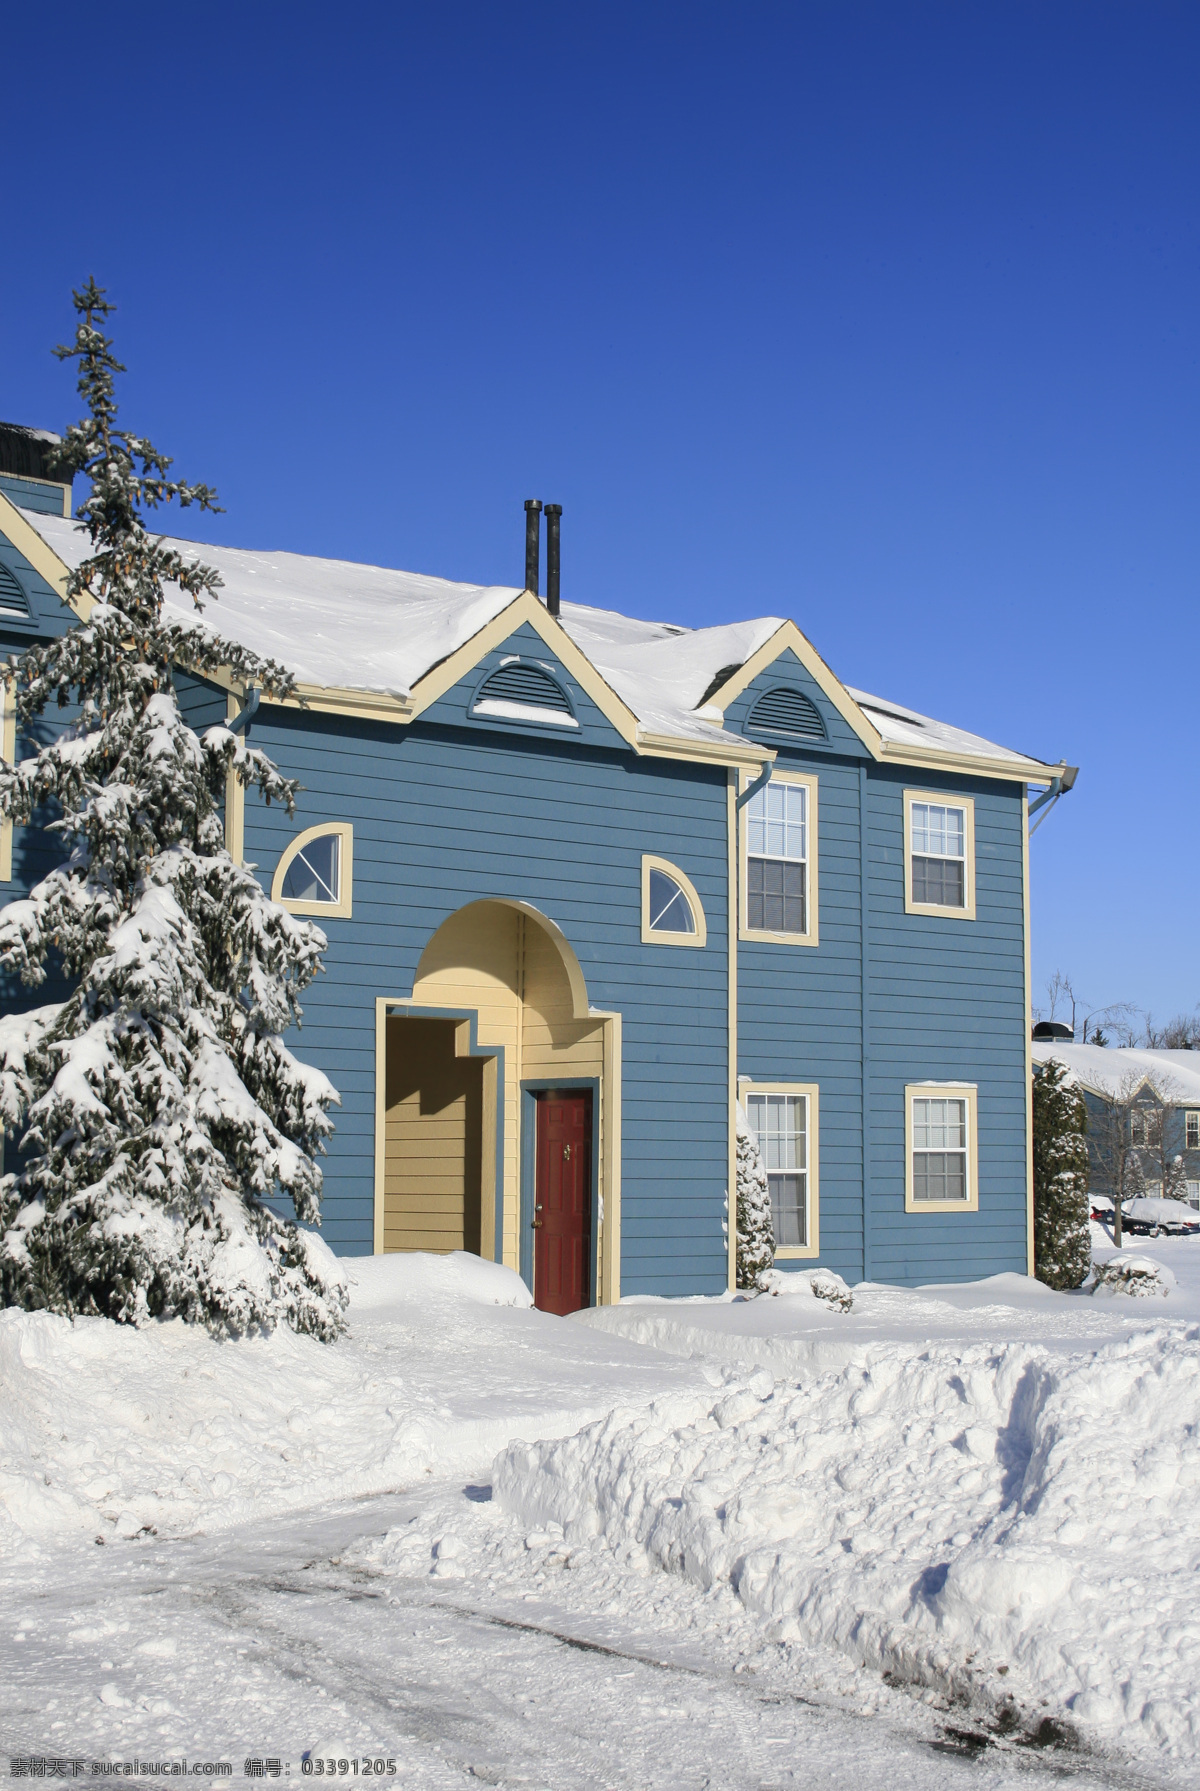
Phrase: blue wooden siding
[442,817]
[948,1003]
[944,1000]
[30,494]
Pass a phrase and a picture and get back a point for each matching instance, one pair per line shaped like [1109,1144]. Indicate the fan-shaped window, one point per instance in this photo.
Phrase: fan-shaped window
[315,873]
[12,597]
[522,690]
[786,714]
[672,913]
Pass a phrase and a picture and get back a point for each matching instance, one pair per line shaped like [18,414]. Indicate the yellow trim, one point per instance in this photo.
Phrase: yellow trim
[925,1090]
[785,636]
[1025,771]
[731,910]
[235,796]
[1025,910]
[339,910]
[651,936]
[812,881]
[748,1085]
[716,752]
[942,799]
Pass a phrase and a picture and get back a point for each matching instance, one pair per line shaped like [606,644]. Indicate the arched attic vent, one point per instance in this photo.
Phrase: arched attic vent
[785,713]
[12,597]
[523,688]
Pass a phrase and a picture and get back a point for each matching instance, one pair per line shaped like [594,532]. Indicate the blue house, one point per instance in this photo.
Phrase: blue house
[588,882]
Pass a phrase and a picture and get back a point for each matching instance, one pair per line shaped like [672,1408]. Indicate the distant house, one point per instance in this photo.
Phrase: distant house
[587,882]
[1147,1084]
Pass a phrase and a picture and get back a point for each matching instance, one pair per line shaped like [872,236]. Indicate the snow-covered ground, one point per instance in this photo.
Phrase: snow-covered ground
[713,1524]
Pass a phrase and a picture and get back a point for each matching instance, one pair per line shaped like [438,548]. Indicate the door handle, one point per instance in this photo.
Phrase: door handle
[536,1222]
[566,1153]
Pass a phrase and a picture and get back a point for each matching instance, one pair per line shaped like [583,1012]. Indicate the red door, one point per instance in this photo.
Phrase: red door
[562,1219]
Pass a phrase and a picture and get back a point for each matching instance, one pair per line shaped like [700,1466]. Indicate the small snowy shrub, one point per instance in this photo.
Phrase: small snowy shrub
[819,1284]
[156,1109]
[1061,1232]
[1137,1277]
[832,1289]
[755,1224]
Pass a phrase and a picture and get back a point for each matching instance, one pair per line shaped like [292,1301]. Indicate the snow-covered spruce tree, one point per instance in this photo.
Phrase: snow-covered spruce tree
[755,1226]
[1061,1235]
[1175,1180]
[1133,1186]
[156,1108]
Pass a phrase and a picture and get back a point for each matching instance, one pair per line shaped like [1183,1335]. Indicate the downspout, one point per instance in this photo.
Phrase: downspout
[760,783]
[253,697]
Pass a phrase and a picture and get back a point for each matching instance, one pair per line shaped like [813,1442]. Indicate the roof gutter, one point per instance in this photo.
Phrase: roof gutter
[1059,786]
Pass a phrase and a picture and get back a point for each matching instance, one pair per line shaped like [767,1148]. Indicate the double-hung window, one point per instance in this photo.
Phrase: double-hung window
[779,861]
[942,1151]
[1191,1131]
[939,841]
[783,1118]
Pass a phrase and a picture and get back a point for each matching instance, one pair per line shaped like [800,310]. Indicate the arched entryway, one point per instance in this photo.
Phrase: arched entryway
[498,1107]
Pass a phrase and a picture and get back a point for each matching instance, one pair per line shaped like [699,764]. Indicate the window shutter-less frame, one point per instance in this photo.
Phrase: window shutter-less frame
[786,713]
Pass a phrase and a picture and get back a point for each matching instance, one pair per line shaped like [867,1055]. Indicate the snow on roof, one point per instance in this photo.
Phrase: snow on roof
[1116,1070]
[905,727]
[342,624]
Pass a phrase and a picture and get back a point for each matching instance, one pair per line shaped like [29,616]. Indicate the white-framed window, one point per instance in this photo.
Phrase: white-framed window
[1191,1131]
[1193,1195]
[784,1119]
[1139,1126]
[315,874]
[672,912]
[941,1148]
[939,854]
[779,860]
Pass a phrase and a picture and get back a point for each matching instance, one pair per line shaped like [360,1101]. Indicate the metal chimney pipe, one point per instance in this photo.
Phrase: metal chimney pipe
[533,542]
[553,514]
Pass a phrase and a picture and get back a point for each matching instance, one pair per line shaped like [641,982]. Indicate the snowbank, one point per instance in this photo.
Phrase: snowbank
[110,1431]
[1007,1525]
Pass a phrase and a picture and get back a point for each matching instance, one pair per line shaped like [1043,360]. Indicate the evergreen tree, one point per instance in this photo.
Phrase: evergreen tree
[1133,1186]
[1175,1180]
[1061,1234]
[755,1224]
[157,1108]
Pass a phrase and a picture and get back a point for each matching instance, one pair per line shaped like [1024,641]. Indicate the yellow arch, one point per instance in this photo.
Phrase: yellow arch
[580,1006]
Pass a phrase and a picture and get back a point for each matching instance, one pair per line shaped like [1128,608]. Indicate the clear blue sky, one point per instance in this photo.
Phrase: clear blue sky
[883,316]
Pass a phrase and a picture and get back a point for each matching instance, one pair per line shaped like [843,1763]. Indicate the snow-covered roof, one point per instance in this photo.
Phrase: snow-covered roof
[1115,1070]
[905,727]
[344,625]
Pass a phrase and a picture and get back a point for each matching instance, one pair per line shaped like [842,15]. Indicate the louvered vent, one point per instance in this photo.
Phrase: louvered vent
[11,594]
[523,683]
[788,714]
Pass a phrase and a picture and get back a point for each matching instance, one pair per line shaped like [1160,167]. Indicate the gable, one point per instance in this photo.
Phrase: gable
[784,707]
[520,685]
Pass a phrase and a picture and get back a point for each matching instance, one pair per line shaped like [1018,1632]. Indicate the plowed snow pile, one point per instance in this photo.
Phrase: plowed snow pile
[109,1432]
[1005,1524]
